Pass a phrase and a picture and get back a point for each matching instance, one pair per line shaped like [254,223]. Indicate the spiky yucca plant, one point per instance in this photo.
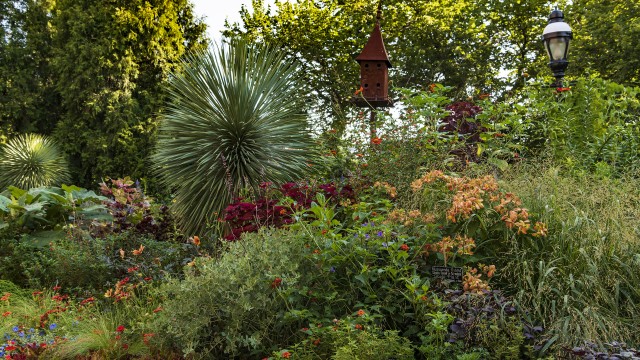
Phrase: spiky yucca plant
[235,119]
[32,160]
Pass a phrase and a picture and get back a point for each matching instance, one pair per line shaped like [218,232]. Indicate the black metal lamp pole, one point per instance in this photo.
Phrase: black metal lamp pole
[556,38]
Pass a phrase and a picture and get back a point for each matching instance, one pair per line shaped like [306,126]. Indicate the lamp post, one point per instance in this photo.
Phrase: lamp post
[556,37]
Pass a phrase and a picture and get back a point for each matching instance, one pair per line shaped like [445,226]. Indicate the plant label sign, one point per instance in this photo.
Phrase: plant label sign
[447,273]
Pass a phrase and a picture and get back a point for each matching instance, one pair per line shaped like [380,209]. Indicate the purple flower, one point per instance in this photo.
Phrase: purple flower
[384,244]
[52,326]
[366,236]
[16,329]
[380,233]
[332,269]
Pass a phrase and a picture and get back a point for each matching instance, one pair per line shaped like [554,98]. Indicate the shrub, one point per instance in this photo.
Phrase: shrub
[43,213]
[31,160]
[596,122]
[235,119]
[234,305]
[84,264]
[133,212]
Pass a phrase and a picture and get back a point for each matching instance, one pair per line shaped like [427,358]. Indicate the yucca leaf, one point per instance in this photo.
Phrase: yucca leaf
[235,118]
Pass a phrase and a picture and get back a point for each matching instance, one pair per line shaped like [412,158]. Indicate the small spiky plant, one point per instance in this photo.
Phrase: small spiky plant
[235,118]
[32,160]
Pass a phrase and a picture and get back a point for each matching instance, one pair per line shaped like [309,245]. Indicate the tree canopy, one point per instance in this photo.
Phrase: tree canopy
[476,46]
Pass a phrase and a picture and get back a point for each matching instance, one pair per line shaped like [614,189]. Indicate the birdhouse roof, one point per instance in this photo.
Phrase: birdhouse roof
[374,50]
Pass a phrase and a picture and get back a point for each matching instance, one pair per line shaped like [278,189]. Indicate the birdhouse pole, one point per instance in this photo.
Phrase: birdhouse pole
[374,74]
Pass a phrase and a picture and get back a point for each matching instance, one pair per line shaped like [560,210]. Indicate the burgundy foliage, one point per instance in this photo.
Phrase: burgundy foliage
[243,216]
[457,121]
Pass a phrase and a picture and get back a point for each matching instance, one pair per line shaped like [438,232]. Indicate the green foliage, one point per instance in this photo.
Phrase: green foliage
[451,42]
[31,160]
[232,306]
[8,287]
[596,122]
[47,210]
[344,341]
[94,72]
[594,24]
[28,101]
[582,280]
[235,120]
[80,263]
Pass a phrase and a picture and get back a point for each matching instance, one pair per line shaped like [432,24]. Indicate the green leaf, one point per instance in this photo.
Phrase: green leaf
[499,163]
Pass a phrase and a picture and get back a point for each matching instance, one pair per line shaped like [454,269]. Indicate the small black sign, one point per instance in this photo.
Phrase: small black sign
[447,273]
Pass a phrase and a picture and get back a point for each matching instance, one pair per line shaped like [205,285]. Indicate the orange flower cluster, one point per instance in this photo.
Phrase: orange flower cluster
[470,195]
[473,282]
[121,291]
[391,190]
[408,218]
[463,245]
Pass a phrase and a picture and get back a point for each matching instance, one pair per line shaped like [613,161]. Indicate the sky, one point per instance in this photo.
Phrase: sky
[216,11]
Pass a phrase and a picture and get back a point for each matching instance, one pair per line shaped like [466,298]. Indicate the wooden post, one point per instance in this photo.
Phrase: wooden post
[372,125]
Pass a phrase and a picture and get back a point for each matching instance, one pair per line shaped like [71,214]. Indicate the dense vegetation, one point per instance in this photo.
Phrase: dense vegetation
[231,203]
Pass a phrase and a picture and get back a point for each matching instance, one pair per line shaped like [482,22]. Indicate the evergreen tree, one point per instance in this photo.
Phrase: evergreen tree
[110,60]
[28,102]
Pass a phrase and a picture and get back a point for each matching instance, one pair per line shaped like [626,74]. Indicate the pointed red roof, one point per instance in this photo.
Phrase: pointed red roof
[374,50]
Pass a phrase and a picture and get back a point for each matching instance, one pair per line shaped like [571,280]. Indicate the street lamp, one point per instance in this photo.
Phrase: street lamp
[556,37]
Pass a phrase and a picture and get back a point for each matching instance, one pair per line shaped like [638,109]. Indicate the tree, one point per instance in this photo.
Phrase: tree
[461,43]
[110,62]
[235,120]
[28,102]
[605,39]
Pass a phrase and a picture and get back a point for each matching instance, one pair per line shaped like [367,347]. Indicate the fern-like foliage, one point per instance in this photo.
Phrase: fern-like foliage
[32,160]
[235,119]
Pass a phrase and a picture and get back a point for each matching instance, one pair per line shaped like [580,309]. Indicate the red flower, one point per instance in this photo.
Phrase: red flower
[358,327]
[563,89]
[6,313]
[157,310]
[86,301]
[316,342]
[361,312]
[276,282]
[359,91]
[376,141]
[404,247]
[120,328]
[286,354]
[10,348]
[125,346]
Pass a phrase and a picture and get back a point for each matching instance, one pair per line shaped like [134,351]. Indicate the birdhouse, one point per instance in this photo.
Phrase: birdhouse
[374,72]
